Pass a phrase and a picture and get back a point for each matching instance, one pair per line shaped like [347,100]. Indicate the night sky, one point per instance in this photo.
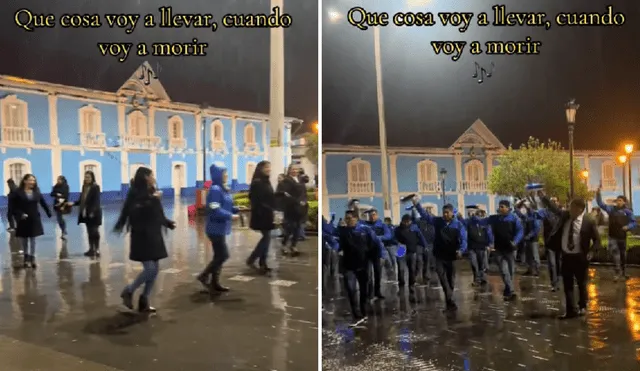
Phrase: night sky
[234,74]
[431,100]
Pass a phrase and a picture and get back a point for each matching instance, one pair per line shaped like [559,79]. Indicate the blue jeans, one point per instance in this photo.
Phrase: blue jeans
[61,222]
[29,246]
[147,276]
[391,262]
[261,250]
[477,259]
[220,255]
[618,248]
[553,263]
[532,256]
[425,263]
[506,262]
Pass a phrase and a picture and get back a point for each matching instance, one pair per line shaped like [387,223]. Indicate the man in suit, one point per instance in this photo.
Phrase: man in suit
[575,238]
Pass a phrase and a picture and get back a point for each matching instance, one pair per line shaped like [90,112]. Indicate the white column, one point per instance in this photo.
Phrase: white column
[265,141]
[124,157]
[199,158]
[492,198]
[492,204]
[325,192]
[489,161]
[458,160]
[395,193]
[276,95]
[234,149]
[121,118]
[54,139]
[151,120]
[153,161]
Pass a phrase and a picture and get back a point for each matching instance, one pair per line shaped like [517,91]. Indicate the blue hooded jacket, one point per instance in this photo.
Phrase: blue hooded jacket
[220,208]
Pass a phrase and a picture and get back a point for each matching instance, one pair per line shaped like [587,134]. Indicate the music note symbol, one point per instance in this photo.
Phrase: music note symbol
[483,72]
[146,74]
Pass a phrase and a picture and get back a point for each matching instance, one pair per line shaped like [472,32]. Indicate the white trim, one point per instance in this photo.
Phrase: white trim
[609,183]
[217,144]
[265,140]
[426,163]
[363,185]
[249,128]
[467,169]
[234,148]
[175,181]
[21,135]
[144,130]
[180,124]
[7,173]
[13,99]
[249,172]
[97,172]
[199,144]
[122,119]
[325,191]
[53,119]
[89,108]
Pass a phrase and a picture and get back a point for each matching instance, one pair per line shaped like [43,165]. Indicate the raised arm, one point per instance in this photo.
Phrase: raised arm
[423,214]
[604,207]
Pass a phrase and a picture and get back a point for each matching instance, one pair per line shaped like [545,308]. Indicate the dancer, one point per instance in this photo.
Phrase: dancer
[60,194]
[386,239]
[11,184]
[408,234]
[262,213]
[220,212]
[532,226]
[24,206]
[425,260]
[356,242]
[143,212]
[480,238]
[329,246]
[577,238]
[295,206]
[507,234]
[621,221]
[90,212]
[550,226]
[450,243]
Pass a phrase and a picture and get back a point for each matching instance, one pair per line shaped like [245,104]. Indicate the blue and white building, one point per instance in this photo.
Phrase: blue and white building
[50,130]
[355,172]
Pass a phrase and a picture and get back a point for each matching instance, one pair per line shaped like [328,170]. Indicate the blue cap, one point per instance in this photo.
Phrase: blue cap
[534,186]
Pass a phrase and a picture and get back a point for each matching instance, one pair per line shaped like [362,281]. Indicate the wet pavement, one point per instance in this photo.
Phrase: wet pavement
[67,314]
[486,333]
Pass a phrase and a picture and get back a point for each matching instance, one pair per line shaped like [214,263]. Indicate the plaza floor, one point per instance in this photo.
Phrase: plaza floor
[66,315]
[487,334]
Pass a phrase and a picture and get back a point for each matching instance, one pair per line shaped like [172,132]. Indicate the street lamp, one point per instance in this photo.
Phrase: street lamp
[628,149]
[622,160]
[584,174]
[571,109]
[203,108]
[443,176]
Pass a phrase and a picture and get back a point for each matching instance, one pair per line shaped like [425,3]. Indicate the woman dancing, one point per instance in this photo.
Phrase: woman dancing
[90,212]
[143,213]
[25,202]
[262,208]
[60,194]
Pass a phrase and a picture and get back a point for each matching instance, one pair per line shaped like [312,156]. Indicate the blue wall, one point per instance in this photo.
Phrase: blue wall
[110,164]
[38,116]
[69,120]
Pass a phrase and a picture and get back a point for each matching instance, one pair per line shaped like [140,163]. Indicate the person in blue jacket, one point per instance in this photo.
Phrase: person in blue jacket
[532,226]
[409,236]
[507,234]
[425,261]
[329,248]
[220,211]
[449,244]
[385,239]
[550,226]
[480,238]
[621,221]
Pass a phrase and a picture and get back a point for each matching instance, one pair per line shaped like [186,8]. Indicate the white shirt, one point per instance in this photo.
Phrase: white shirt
[577,226]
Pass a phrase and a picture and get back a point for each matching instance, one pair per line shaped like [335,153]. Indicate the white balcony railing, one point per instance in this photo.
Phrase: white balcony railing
[472,186]
[429,187]
[609,184]
[94,140]
[141,142]
[361,188]
[218,145]
[177,143]
[13,135]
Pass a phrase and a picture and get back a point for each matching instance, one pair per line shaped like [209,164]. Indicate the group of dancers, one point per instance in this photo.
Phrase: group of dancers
[422,242]
[143,217]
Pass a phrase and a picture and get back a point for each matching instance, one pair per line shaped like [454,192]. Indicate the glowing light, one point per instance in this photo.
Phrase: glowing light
[316,127]
[628,148]
[622,159]
[584,174]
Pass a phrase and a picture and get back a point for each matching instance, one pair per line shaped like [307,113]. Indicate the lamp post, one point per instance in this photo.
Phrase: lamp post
[584,174]
[622,161]
[443,176]
[628,149]
[203,108]
[570,110]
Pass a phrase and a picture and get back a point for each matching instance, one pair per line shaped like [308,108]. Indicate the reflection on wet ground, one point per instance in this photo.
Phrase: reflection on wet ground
[486,333]
[67,311]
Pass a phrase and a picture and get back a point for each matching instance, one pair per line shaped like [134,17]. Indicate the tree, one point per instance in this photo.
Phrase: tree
[312,147]
[537,162]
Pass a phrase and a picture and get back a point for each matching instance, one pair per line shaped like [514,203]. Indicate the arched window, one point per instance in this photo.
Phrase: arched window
[428,177]
[609,175]
[251,168]
[473,177]
[93,166]
[217,135]
[249,134]
[359,177]
[175,128]
[15,168]
[137,124]
[15,121]
[90,119]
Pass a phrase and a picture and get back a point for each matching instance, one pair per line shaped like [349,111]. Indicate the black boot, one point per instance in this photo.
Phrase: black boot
[127,298]
[26,261]
[215,282]
[32,260]
[203,278]
[143,305]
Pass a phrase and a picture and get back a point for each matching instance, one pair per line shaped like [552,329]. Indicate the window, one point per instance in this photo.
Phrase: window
[93,166]
[427,171]
[251,168]
[175,128]
[249,134]
[137,124]
[89,120]
[609,175]
[474,171]
[359,171]
[14,112]
[218,131]
[15,168]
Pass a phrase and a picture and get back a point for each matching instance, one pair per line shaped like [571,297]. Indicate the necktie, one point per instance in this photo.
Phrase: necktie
[571,244]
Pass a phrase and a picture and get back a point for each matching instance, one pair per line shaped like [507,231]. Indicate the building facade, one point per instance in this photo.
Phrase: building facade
[355,172]
[50,130]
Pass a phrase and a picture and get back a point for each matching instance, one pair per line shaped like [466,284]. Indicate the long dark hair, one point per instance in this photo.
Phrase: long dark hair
[24,179]
[63,180]
[92,175]
[258,173]
[140,185]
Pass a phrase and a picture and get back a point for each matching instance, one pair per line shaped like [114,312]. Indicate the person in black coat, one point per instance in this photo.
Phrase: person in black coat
[143,213]
[60,194]
[90,212]
[294,205]
[24,206]
[262,200]
[10,219]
